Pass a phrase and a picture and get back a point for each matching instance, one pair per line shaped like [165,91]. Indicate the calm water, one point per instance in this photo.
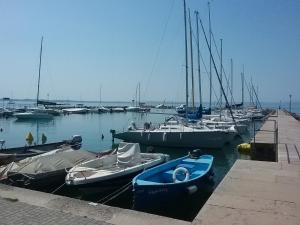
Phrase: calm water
[92,126]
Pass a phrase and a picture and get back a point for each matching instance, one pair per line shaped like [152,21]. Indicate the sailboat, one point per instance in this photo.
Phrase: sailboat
[36,113]
[180,133]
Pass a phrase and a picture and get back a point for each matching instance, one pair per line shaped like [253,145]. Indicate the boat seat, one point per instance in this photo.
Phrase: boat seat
[187,166]
[146,182]
[200,160]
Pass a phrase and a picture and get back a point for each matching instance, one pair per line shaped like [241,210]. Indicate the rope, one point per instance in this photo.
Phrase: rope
[115,193]
[58,188]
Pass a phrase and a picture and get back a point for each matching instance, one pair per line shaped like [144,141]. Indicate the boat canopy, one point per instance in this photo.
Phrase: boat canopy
[129,154]
[49,163]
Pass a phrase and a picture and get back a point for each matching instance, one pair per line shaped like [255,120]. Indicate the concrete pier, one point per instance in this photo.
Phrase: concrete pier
[259,192]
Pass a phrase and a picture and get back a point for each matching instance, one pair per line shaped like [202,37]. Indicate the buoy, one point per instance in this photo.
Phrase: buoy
[44,138]
[244,148]
[29,138]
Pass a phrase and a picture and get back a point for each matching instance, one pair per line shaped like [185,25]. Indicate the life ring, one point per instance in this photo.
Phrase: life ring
[181,170]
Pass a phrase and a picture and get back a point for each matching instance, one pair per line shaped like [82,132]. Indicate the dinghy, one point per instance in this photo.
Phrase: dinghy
[172,180]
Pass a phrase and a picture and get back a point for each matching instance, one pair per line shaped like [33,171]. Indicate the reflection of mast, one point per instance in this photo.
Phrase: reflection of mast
[40,64]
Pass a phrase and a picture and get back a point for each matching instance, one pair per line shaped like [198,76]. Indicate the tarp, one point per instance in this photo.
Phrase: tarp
[49,163]
[129,154]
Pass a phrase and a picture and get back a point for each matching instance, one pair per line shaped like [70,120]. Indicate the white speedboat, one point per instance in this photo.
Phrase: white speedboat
[34,114]
[113,169]
[75,110]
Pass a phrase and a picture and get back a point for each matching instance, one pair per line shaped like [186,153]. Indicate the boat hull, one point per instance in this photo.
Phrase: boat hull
[33,116]
[215,139]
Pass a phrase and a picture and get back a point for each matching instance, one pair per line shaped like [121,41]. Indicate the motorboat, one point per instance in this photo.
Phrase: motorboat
[75,110]
[112,170]
[44,172]
[8,155]
[34,113]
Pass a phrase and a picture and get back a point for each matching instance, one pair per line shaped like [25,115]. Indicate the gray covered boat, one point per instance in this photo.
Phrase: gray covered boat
[44,172]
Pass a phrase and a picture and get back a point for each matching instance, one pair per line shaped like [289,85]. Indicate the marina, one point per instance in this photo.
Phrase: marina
[149,112]
[257,192]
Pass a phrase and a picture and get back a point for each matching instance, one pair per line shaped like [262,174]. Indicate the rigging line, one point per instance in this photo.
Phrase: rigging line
[206,71]
[224,73]
[207,74]
[159,48]
[216,71]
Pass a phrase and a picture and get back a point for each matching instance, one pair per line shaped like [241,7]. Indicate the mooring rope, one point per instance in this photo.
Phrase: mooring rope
[115,194]
[58,188]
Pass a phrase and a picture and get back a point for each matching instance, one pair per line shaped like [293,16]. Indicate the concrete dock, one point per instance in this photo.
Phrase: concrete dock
[259,192]
[253,192]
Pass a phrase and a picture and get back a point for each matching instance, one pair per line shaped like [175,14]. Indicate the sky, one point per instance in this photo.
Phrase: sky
[115,44]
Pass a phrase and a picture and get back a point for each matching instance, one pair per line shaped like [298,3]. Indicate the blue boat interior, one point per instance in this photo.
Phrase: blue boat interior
[163,174]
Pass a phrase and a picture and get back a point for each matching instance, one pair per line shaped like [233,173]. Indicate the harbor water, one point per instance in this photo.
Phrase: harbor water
[92,126]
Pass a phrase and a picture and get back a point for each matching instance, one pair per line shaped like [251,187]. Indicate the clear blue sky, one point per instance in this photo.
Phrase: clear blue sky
[118,43]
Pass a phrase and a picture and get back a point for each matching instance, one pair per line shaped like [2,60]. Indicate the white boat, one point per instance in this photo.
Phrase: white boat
[75,110]
[127,162]
[34,114]
[177,134]
[39,112]
[118,109]
[133,109]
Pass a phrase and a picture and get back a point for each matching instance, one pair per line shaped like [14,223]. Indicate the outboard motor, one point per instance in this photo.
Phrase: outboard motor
[132,126]
[195,154]
[76,142]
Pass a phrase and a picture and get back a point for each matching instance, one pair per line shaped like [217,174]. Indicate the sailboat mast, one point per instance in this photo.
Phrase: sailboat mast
[139,94]
[210,55]
[186,63]
[221,68]
[231,80]
[198,54]
[192,63]
[242,76]
[40,64]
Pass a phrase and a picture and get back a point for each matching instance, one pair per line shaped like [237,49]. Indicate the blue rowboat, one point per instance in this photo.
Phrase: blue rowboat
[172,180]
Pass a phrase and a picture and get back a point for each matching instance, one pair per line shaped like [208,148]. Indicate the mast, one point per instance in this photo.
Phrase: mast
[139,94]
[100,95]
[210,55]
[40,64]
[186,64]
[221,67]
[192,63]
[242,77]
[231,80]
[198,54]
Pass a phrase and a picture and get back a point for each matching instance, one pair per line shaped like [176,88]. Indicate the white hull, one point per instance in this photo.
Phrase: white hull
[75,110]
[33,115]
[177,138]
[108,168]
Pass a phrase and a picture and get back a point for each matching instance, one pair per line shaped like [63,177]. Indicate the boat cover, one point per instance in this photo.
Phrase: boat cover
[129,154]
[49,163]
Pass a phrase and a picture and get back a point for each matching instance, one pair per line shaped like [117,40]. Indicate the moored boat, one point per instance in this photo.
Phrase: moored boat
[113,170]
[172,180]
